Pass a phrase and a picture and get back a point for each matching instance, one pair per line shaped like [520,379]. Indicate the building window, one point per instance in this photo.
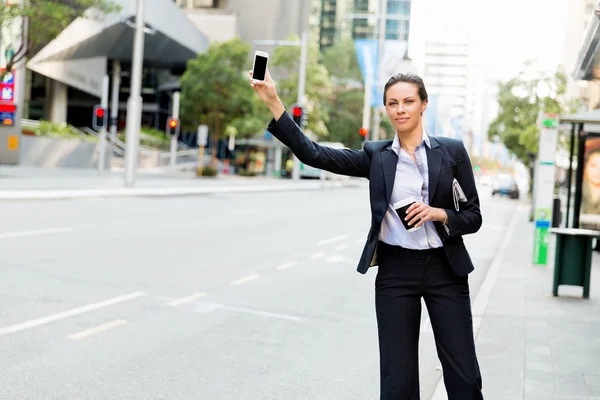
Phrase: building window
[397,29]
[401,7]
[361,5]
[329,6]
[199,3]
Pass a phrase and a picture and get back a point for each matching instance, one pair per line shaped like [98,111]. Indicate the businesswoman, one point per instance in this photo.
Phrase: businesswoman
[431,262]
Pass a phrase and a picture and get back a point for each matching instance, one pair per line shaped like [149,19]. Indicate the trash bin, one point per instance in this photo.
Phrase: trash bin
[573,258]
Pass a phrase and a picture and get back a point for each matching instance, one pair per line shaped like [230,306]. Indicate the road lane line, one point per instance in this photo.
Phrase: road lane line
[38,232]
[286,265]
[331,240]
[359,241]
[244,279]
[69,313]
[485,290]
[317,255]
[187,299]
[97,329]
[262,313]
[341,247]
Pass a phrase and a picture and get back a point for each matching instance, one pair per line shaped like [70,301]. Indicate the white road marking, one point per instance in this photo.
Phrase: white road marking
[359,240]
[263,313]
[244,279]
[69,313]
[331,240]
[341,246]
[187,299]
[286,265]
[97,329]
[483,295]
[8,235]
[317,255]
[339,259]
[207,307]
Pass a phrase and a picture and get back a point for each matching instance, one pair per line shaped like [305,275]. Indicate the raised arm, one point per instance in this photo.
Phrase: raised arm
[339,161]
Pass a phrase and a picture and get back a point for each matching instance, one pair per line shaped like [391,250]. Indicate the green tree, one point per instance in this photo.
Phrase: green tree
[284,63]
[215,91]
[345,107]
[45,19]
[345,118]
[342,63]
[520,101]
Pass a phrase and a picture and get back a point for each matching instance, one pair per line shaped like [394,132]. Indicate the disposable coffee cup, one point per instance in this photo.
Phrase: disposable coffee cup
[401,207]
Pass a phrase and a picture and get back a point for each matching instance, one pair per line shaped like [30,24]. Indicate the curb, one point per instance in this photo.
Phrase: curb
[51,194]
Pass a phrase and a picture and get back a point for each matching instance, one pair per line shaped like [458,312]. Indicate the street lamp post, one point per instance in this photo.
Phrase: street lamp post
[381,43]
[305,9]
[134,103]
[301,77]
[382,18]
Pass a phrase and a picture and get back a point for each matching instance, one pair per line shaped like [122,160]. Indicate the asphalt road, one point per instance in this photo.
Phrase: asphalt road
[240,296]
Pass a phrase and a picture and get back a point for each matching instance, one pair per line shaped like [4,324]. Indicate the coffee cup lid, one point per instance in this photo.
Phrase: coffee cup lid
[404,202]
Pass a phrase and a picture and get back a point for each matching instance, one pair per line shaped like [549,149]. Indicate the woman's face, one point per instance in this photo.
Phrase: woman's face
[593,169]
[404,107]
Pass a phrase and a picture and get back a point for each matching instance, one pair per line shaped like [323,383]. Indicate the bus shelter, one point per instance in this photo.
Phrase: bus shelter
[585,146]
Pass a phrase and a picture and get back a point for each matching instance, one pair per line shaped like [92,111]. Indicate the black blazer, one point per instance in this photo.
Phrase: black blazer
[447,159]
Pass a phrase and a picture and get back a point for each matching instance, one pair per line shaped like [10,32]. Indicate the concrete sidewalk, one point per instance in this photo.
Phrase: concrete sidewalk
[531,345]
[22,183]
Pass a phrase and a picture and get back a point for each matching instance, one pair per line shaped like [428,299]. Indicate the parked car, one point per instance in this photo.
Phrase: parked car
[506,185]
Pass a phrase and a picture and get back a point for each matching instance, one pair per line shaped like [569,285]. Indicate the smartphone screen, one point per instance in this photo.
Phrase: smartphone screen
[260,68]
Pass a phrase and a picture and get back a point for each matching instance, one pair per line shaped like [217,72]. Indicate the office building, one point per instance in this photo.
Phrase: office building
[357,19]
[65,77]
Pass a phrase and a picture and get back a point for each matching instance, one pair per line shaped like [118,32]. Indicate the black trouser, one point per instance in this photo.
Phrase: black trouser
[403,277]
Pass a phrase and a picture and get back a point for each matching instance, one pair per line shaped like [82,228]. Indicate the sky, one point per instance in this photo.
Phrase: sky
[509,32]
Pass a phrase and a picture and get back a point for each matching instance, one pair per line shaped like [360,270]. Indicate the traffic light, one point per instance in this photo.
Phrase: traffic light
[297,113]
[363,132]
[99,118]
[172,126]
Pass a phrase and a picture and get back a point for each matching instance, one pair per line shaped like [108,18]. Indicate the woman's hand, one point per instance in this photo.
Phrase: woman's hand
[267,93]
[420,213]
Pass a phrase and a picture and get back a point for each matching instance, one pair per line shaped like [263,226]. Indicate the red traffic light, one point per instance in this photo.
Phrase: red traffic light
[172,126]
[100,112]
[297,111]
[364,132]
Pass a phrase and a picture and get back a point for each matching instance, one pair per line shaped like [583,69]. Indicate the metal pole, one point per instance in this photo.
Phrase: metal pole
[301,77]
[380,46]
[579,176]
[114,107]
[175,114]
[570,173]
[367,102]
[102,133]
[14,132]
[134,104]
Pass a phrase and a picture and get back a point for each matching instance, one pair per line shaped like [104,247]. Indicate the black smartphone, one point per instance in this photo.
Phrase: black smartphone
[259,69]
